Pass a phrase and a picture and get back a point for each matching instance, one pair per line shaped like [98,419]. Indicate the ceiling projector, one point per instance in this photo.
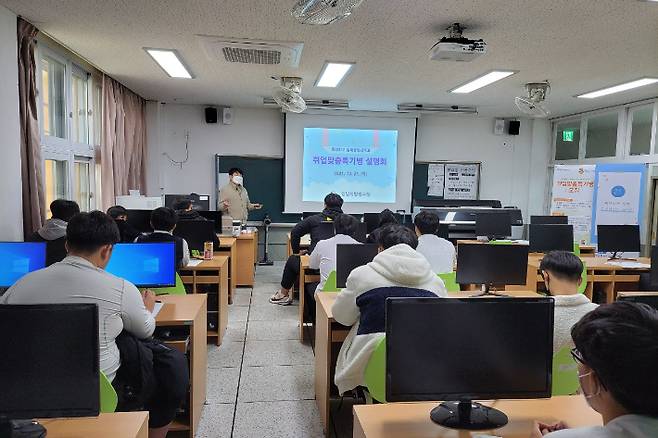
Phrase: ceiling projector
[455,47]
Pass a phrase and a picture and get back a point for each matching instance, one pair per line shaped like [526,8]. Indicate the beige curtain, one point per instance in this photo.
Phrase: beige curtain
[123,144]
[34,209]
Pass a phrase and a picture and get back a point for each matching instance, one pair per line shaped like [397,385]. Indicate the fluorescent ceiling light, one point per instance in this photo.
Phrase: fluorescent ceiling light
[170,62]
[619,88]
[483,81]
[333,73]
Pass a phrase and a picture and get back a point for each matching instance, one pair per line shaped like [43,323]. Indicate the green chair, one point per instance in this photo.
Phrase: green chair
[576,249]
[375,375]
[565,373]
[109,397]
[178,289]
[450,281]
[502,242]
[330,284]
[583,283]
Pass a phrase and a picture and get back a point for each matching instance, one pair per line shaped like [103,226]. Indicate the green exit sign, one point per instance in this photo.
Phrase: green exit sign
[567,135]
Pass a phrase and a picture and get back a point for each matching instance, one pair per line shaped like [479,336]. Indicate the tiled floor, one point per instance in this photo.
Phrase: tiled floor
[260,380]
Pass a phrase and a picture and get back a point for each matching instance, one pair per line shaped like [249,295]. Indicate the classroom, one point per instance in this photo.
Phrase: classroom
[328,218]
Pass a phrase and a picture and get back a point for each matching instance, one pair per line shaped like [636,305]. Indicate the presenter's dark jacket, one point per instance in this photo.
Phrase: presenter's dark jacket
[310,225]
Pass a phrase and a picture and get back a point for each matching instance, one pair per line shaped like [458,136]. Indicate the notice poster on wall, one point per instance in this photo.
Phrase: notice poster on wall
[461,181]
[436,179]
[573,192]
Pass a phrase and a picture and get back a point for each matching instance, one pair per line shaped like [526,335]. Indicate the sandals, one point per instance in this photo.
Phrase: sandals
[282,300]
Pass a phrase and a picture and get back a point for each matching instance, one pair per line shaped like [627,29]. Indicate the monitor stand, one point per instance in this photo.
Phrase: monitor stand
[468,415]
[615,256]
[487,292]
[21,429]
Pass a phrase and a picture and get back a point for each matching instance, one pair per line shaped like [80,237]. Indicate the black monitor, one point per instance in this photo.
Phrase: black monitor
[493,225]
[618,238]
[650,300]
[214,216]
[545,238]
[196,233]
[199,202]
[140,220]
[361,232]
[49,365]
[549,220]
[18,259]
[491,264]
[371,220]
[350,256]
[467,349]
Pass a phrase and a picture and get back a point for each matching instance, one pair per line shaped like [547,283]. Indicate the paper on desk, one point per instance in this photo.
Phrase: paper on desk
[157,308]
[631,265]
[194,262]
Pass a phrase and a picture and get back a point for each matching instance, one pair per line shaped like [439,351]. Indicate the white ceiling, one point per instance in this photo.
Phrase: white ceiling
[578,45]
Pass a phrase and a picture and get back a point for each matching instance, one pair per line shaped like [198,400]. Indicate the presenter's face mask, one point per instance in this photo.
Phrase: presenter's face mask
[237,179]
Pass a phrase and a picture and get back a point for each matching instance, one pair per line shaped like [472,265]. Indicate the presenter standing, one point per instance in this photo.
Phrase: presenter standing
[234,199]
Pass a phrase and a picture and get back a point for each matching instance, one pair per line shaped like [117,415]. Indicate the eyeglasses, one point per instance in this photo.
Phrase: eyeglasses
[577,356]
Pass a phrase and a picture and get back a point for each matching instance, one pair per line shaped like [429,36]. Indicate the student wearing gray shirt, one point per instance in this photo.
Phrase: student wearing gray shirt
[617,355]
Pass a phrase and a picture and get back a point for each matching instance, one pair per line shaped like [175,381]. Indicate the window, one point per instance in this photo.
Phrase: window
[56,176]
[641,120]
[53,100]
[97,112]
[602,135]
[79,108]
[568,140]
[82,183]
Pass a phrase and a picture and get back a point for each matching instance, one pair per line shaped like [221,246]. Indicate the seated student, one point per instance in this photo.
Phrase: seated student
[617,357]
[311,225]
[185,213]
[163,221]
[53,231]
[120,215]
[361,303]
[562,272]
[438,251]
[81,278]
[386,217]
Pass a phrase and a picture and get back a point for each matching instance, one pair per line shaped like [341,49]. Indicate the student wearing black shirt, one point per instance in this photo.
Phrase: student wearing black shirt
[120,215]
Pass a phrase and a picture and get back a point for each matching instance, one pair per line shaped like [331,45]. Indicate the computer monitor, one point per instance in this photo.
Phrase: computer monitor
[215,216]
[326,230]
[467,349]
[443,231]
[371,220]
[144,264]
[493,225]
[545,238]
[618,238]
[18,259]
[196,233]
[361,232]
[549,220]
[650,300]
[50,364]
[199,202]
[350,256]
[140,220]
[491,264]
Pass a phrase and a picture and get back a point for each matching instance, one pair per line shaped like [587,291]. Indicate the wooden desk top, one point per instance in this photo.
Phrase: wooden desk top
[217,262]
[305,240]
[180,309]
[305,260]
[596,263]
[117,424]
[226,241]
[243,236]
[412,420]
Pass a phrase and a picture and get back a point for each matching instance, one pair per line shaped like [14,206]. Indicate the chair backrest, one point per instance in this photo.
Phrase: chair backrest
[330,284]
[375,375]
[583,283]
[576,249]
[450,281]
[178,289]
[109,398]
[565,373]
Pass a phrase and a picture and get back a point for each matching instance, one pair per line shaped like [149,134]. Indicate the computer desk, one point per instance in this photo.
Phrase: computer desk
[304,277]
[246,257]
[213,272]
[114,425]
[228,246]
[188,310]
[304,243]
[412,420]
[329,335]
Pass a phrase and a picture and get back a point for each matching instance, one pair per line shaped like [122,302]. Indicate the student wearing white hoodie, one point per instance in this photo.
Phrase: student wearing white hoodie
[397,271]
[562,272]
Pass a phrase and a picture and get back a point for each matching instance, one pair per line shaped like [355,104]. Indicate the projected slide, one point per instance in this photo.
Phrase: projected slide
[358,164]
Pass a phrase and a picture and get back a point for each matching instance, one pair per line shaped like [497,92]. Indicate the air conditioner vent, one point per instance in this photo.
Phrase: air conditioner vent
[251,56]
[245,51]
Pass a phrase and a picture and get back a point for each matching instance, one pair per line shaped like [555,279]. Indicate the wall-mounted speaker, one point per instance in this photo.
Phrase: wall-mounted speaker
[227,116]
[499,127]
[514,127]
[211,115]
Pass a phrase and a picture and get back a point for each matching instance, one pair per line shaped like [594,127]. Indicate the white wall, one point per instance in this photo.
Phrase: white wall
[508,161]
[253,132]
[11,213]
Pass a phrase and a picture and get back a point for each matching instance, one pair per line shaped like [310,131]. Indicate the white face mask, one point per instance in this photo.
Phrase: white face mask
[237,179]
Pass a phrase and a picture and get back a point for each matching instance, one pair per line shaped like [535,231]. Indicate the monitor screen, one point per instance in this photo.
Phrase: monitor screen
[468,349]
[492,264]
[361,232]
[350,256]
[618,238]
[215,217]
[493,224]
[49,365]
[545,238]
[196,233]
[20,258]
[651,300]
[549,220]
[140,220]
[144,264]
